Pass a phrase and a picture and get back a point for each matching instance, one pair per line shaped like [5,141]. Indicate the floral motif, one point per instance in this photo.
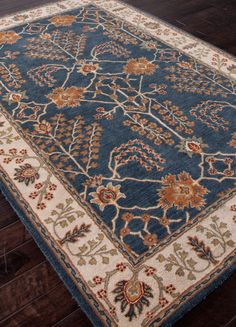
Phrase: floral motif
[150,240]
[86,69]
[181,191]
[62,20]
[140,66]
[69,97]
[26,174]
[9,37]
[133,294]
[43,127]
[102,294]
[97,280]
[15,97]
[125,231]
[170,289]
[150,271]
[233,141]
[121,266]
[128,216]
[192,146]
[163,302]
[106,195]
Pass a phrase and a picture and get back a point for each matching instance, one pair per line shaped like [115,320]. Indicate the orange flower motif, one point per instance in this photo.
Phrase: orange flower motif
[185,64]
[150,240]
[140,66]
[15,97]
[45,36]
[165,221]
[181,191]
[193,146]
[43,128]
[9,37]
[233,141]
[145,217]
[88,68]
[106,195]
[124,231]
[127,216]
[62,20]
[69,97]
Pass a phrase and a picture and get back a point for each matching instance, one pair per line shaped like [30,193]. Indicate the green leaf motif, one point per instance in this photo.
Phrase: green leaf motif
[177,246]
[200,229]
[63,223]
[230,243]
[192,263]
[105,260]
[215,242]
[48,221]
[71,219]
[168,266]
[93,261]
[183,255]
[81,262]
[179,272]
[161,258]
[191,276]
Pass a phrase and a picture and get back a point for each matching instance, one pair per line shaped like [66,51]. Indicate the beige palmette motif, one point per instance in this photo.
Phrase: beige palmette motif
[126,295]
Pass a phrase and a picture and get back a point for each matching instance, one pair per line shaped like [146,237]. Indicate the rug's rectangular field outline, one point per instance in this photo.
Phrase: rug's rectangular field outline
[147,277]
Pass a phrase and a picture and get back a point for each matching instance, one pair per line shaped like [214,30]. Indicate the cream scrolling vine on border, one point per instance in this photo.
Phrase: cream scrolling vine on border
[134,294]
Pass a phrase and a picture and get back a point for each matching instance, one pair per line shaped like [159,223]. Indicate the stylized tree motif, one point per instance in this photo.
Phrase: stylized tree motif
[192,78]
[149,129]
[11,75]
[174,116]
[113,30]
[208,113]
[56,46]
[72,145]
[112,47]
[135,151]
[43,75]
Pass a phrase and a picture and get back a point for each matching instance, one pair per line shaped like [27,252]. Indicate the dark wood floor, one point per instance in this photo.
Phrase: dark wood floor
[31,294]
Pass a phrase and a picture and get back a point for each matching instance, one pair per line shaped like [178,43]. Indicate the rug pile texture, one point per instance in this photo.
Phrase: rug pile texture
[117,150]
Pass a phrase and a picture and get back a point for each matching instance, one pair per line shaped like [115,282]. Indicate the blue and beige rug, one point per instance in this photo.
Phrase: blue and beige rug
[117,150]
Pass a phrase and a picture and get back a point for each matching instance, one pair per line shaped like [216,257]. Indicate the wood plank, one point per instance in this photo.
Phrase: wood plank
[19,260]
[12,236]
[8,7]
[25,288]
[45,311]
[7,215]
[76,319]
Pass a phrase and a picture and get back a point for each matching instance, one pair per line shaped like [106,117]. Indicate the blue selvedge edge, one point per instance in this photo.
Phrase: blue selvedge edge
[69,283]
[71,286]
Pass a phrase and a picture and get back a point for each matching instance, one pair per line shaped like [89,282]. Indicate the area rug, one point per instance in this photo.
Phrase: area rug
[117,151]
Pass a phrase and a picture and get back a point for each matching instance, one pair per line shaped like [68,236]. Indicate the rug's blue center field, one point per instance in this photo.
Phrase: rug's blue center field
[143,133]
